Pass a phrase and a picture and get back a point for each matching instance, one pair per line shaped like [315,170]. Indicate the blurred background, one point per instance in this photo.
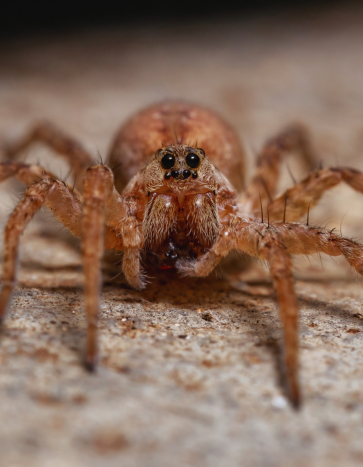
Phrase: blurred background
[19,16]
[86,67]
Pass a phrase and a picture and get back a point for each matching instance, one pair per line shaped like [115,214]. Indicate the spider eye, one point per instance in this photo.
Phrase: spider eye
[192,160]
[168,161]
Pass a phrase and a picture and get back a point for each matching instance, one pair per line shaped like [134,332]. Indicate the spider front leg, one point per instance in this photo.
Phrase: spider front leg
[34,198]
[103,206]
[98,188]
[67,206]
[78,158]
[275,243]
[274,251]
[258,239]
[61,200]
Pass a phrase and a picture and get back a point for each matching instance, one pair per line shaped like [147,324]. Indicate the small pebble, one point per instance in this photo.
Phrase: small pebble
[279,402]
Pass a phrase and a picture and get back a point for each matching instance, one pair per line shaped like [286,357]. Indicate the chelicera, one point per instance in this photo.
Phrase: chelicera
[174,195]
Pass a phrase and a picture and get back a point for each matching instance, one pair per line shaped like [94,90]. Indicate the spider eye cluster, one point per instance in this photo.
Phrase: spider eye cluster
[181,170]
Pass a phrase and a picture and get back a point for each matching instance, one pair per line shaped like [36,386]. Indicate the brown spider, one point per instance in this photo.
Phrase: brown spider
[173,202]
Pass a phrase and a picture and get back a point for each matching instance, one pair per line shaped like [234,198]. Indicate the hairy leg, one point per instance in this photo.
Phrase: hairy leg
[301,239]
[98,188]
[78,158]
[272,248]
[100,219]
[295,202]
[33,199]
[244,234]
[59,198]
[26,173]
[123,229]
[264,182]
[275,243]
[260,240]
[66,202]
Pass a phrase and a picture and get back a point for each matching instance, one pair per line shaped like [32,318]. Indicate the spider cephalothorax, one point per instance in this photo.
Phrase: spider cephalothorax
[176,206]
[181,219]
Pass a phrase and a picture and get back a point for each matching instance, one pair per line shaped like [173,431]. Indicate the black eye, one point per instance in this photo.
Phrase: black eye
[168,161]
[192,160]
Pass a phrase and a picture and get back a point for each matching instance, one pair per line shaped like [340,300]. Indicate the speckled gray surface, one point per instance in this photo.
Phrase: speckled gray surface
[189,368]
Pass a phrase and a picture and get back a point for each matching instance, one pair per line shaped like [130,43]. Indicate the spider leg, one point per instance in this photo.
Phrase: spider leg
[272,249]
[78,158]
[103,206]
[302,239]
[275,243]
[98,188]
[67,206]
[120,216]
[294,203]
[264,182]
[261,240]
[33,200]
[26,173]
[34,197]
[65,202]
[122,228]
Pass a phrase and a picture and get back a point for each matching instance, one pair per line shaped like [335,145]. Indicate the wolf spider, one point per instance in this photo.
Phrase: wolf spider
[174,202]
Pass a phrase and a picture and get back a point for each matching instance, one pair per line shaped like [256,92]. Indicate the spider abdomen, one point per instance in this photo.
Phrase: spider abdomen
[173,122]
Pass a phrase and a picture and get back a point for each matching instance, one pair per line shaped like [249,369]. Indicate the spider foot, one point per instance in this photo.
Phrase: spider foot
[138,281]
[294,397]
[4,300]
[90,363]
[132,269]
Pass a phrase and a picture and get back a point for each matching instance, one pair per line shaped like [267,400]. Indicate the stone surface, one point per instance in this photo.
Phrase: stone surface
[189,371]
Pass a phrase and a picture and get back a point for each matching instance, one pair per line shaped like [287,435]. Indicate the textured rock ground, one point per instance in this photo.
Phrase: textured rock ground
[189,368]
